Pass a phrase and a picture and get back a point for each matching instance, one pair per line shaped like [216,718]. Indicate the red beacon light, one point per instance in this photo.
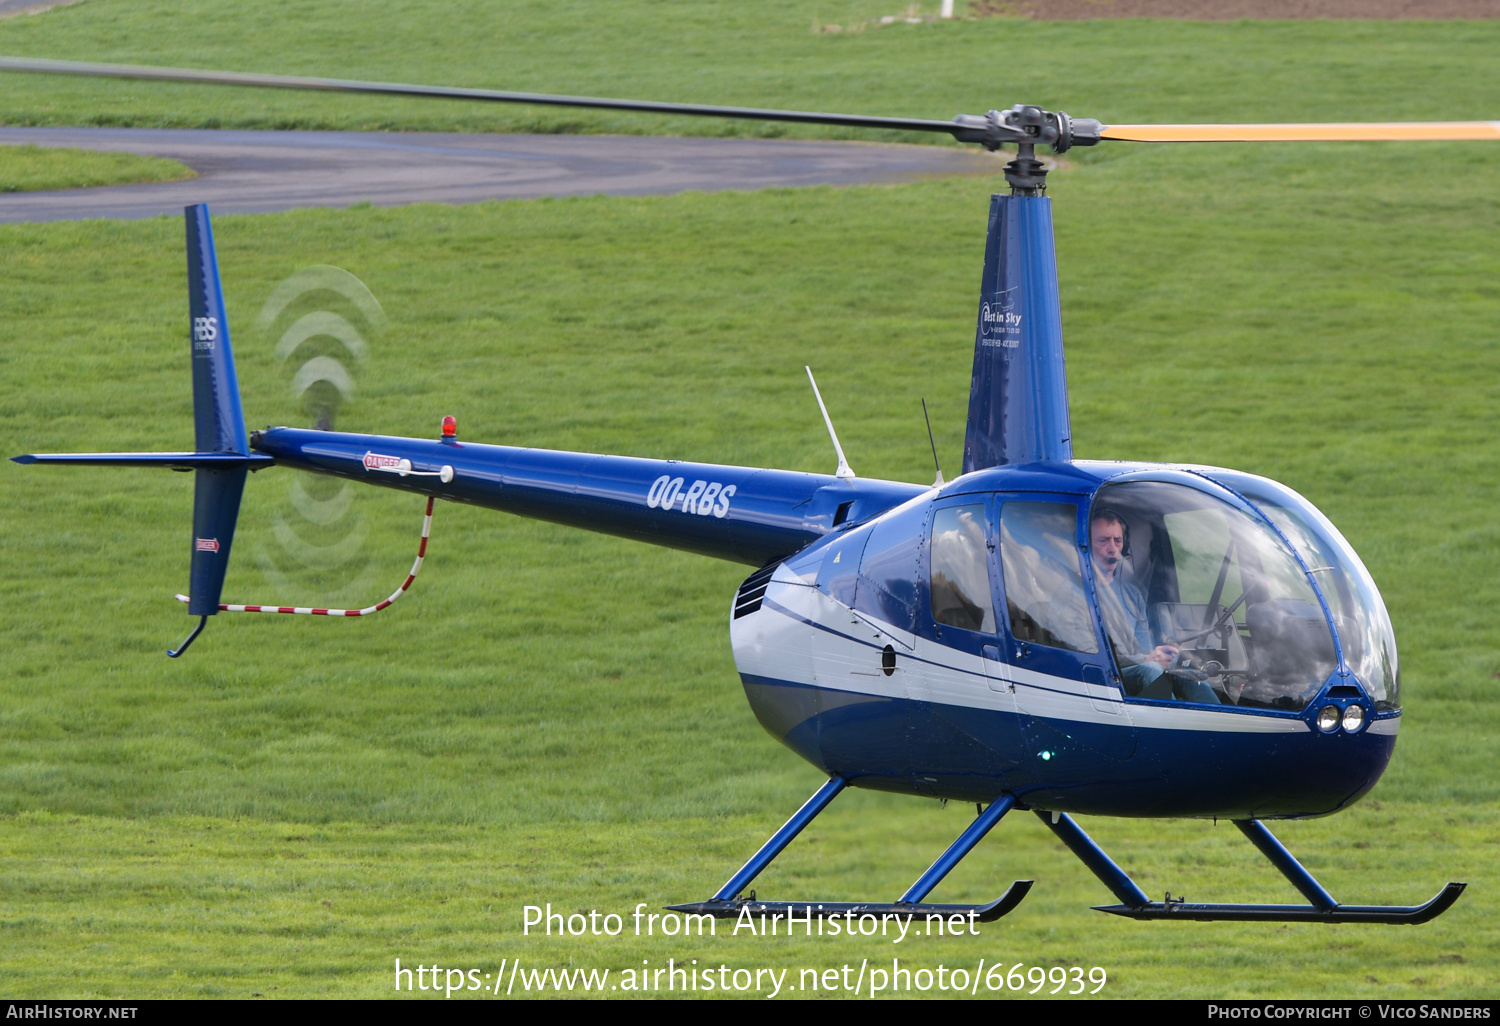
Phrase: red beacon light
[450,429]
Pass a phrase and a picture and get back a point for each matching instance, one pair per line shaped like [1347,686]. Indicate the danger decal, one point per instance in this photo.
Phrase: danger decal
[375,461]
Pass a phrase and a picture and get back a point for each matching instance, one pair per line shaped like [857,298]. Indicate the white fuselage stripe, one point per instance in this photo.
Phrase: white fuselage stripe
[954,678]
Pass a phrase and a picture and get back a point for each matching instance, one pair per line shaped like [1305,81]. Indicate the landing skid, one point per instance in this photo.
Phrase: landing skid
[1323,908]
[727,904]
[1411,914]
[853,909]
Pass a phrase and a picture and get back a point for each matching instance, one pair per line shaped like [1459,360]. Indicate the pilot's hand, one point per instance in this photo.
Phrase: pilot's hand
[1163,656]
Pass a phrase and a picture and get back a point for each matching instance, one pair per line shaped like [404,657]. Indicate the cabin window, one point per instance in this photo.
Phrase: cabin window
[1044,596]
[888,570]
[960,582]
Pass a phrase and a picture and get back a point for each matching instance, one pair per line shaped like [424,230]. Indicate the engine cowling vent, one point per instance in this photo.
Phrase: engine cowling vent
[747,599]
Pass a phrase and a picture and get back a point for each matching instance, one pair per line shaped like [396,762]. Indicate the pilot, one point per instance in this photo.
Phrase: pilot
[1143,663]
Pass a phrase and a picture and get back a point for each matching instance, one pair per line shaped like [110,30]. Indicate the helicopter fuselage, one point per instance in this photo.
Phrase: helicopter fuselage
[850,657]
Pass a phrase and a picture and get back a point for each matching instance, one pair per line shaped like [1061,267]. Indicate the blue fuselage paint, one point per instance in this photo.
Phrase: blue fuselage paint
[1018,392]
[968,754]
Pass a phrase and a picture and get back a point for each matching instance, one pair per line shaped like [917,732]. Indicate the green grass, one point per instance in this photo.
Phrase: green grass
[553,716]
[33,168]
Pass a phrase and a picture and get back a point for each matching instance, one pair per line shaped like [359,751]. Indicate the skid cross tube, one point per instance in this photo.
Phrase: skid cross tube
[780,839]
[1093,856]
[1283,860]
[1324,909]
[728,905]
[958,849]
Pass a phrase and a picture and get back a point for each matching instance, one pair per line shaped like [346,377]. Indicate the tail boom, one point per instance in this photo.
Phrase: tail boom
[743,514]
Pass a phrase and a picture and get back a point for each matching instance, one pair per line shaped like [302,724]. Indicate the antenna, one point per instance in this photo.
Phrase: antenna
[843,471]
[939,482]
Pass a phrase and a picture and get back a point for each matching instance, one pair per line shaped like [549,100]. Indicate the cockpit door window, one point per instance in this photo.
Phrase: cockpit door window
[960,580]
[1044,595]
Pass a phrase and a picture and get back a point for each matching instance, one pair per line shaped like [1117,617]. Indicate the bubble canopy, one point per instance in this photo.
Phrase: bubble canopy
[1364,627]
[1232,588]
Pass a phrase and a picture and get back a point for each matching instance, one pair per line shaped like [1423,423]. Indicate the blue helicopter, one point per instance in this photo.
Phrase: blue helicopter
[1041,633]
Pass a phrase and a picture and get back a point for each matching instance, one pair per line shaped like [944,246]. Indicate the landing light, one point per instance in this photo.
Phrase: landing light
[1354,718]
[1328,718]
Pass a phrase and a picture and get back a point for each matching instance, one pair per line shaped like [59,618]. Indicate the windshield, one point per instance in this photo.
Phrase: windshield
[1202,602]
[1364,626]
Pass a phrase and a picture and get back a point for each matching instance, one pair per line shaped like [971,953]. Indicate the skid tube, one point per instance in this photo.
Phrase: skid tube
[1323,908]
[727,903]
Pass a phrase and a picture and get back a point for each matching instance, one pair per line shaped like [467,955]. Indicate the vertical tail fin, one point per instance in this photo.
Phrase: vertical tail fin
[219,422]
[1018,396]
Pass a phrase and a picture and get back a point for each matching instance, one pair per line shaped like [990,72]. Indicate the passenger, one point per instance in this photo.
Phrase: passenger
[1143,663]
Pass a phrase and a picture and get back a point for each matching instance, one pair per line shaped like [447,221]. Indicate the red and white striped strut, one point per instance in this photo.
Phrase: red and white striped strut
[377,607]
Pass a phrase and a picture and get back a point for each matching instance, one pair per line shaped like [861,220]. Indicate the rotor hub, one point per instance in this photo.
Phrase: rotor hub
[1025,124]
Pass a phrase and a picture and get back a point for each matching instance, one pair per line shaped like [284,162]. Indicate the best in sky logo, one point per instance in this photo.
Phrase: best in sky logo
[206,544]
[999,323]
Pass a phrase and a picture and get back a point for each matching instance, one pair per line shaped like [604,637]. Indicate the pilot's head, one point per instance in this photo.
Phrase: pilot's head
[1107,541]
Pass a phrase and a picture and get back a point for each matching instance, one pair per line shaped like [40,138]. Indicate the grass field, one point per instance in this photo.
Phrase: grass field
[554,717]
[33,168]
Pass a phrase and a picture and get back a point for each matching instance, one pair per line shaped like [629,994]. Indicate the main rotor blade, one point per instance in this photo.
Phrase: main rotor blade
[1345,131]
[987,130]
[452,93]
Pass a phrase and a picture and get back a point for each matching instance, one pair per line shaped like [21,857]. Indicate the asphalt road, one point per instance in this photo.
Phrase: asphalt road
[259,172]
[11,8]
